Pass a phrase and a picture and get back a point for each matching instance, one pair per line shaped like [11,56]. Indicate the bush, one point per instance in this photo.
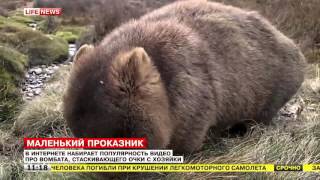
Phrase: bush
[76,30]
[43,49]
[75,11]
[70,33]
[68,36]
[12,67]
[3,12]
[298,19]
[40,48]
[49,25]
[47,108]
[21,19]
[111,14]
[87,37]
[10,4]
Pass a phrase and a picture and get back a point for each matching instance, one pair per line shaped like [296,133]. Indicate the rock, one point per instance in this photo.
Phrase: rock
[30,80]
[42,49]
[36,71]
[33,82]
[291,110]
[28,98]
[49,71]
[55,67]
[315,85]
[42,77]
[37,91]
[294,109]
[30,94]
[72,49]
[33,86]
[72,45]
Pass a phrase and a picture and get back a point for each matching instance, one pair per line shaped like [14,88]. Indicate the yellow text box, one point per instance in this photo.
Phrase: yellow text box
[311,167]
[162,167]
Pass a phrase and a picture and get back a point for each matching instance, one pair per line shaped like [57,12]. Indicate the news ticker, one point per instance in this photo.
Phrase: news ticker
[135,160]
[209,168]
[86,143]
[124,155]
[100,156]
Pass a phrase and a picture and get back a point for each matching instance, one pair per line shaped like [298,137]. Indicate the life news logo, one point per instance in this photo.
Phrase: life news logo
[42,11]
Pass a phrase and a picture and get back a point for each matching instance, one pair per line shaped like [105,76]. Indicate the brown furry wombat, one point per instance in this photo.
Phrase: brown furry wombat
[179,70]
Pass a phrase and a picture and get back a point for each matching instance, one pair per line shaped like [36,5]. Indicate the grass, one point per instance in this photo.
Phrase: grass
[40,48]
[290,140]
[70,33]
[12,68]
[21,46]
[47,108]
[296,18]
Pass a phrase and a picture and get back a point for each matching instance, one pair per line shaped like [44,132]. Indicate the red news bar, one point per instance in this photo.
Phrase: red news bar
[50,11]
[90,143]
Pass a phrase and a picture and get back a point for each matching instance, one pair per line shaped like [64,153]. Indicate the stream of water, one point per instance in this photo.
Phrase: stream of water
[36,77]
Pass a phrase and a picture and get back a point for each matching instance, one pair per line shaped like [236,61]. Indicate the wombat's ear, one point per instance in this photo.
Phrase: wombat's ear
[135,69]
[84,49]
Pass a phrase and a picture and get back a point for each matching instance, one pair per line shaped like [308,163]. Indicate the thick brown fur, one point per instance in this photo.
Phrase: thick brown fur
[177,71]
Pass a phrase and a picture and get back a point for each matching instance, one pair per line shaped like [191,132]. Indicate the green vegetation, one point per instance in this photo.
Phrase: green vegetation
[70,33]
[20,46]
[288,141]
[47,107]
[76,30]
[39,47]
[18,17]
[49,25]
[68,36]
[21,19]
[12,67]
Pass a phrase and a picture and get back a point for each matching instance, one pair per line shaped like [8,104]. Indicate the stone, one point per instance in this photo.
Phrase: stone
[28,98]
[30,94]
[36,71]
[55,67]
[315,86]
[49,71]
[37,91]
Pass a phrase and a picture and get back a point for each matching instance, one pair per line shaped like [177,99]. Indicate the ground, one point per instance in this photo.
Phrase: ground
[293,138]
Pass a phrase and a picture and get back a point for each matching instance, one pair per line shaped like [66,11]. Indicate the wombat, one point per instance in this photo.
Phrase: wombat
[179,70]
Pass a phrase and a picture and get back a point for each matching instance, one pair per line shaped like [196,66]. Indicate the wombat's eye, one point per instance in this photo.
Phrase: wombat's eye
[122,89]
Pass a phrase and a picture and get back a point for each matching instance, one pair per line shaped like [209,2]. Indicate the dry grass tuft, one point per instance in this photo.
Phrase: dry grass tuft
[298,19]
[43,116]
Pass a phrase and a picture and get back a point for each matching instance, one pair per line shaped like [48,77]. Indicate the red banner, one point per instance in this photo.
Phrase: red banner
[89,143]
